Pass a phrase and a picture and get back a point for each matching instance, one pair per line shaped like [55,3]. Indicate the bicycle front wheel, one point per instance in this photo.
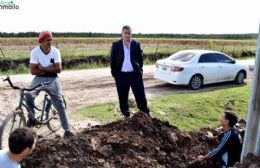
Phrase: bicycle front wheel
[11,122]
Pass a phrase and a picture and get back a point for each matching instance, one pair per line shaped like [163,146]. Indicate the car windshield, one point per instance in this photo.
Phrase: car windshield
[182,56]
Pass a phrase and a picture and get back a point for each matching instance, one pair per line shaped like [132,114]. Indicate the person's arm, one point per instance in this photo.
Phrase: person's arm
[34,61]
[219,150]
[113,60]
[140,56]
[54,68]
[38,69]
[35,70]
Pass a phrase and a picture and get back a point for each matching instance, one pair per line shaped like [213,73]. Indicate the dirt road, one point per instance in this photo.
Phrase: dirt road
[89,87]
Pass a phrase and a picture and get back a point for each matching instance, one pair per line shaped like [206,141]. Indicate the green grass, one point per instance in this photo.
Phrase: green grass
[22,69]
[19,48]
[103,113]
[188,111]
[15,48]
[197,110]
[25,70]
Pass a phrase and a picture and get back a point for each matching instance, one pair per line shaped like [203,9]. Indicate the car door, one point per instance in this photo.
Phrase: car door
[226,68]
[208,68]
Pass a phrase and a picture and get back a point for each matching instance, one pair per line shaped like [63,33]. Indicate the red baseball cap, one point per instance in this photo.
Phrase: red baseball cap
[43,35]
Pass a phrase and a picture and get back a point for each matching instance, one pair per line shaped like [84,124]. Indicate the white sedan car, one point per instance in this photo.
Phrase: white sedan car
[199,67]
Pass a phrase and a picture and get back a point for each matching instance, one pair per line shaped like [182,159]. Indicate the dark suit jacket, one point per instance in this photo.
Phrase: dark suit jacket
[117,57]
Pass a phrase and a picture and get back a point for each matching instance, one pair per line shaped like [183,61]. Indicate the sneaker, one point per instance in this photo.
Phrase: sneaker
[68,134]
[32,123]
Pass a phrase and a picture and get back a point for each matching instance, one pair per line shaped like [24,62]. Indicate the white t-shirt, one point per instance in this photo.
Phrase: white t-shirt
[38,56]
[5,162]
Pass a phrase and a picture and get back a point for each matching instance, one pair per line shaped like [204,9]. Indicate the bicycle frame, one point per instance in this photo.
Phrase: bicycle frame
[17,118]
[23,102]
[44,110]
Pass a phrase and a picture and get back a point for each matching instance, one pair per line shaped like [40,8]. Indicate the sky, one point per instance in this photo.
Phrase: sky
[144,16]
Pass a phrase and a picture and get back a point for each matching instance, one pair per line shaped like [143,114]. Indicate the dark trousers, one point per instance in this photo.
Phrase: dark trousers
[123,83]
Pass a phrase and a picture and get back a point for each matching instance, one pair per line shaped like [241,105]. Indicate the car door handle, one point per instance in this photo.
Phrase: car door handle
[220,66]
[202,67]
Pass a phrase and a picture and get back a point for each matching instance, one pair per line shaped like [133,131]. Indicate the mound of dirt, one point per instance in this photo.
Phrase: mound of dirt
[136,142]
[250,161]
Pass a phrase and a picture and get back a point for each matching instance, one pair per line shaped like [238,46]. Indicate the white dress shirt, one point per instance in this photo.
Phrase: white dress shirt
[127,65]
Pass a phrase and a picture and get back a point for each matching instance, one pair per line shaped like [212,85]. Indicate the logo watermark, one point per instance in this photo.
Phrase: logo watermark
[8,5]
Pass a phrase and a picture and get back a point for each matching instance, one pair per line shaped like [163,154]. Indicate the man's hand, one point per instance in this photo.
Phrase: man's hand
[201,158]
[209,135]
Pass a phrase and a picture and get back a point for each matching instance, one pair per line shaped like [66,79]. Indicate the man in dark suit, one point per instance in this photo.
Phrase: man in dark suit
[126,61]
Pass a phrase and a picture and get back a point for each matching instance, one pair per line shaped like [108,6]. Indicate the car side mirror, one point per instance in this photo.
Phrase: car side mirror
[232,61]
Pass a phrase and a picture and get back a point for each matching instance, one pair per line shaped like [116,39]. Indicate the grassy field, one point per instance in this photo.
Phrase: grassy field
[24,70]
[85,53]
[188,111]
[16,48]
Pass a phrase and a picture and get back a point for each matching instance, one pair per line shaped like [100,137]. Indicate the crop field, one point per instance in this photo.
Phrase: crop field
[17,48]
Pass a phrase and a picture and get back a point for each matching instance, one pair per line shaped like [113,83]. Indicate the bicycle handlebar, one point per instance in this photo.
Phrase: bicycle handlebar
[26,89]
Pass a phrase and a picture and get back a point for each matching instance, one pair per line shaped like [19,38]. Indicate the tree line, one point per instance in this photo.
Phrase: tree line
[138,35]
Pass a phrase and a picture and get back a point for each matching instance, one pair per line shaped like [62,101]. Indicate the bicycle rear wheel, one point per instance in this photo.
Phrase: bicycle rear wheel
[54,123]
[11,122]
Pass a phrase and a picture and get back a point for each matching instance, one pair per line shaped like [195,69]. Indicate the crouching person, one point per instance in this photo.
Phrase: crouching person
[228,152]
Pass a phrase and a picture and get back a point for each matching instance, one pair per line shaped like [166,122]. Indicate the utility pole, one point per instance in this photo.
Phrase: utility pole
[252,135]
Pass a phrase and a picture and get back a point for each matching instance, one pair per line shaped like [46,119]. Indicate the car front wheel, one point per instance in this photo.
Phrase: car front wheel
[196,82]
[240,78]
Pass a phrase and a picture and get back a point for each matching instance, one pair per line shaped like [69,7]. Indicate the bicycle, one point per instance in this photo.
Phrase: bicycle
[48,116]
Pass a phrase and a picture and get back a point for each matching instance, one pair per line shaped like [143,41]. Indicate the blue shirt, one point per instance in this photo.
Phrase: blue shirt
[5,162]
[127,65]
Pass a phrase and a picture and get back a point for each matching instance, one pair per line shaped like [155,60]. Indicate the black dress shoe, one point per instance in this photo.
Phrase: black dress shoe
[126,117]
[148,114]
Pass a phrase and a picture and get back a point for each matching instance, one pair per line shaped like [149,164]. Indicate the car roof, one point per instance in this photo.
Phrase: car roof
[200,51]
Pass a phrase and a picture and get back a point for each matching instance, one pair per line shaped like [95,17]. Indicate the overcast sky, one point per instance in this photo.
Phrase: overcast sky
[145,16]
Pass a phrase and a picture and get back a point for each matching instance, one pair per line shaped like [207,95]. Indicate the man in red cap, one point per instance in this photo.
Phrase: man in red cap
[45,64]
